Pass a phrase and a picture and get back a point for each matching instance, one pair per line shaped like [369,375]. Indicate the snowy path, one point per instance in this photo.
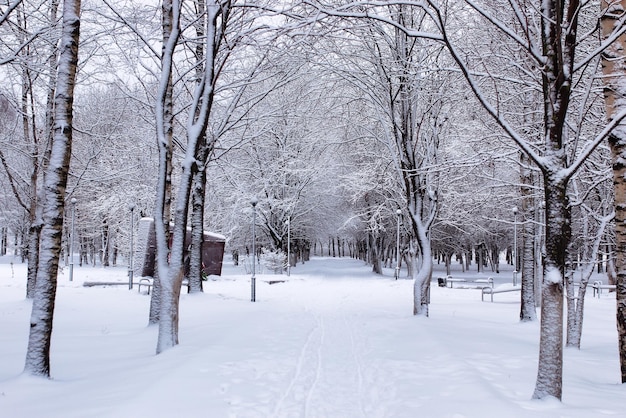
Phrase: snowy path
[328,377]
[332,341]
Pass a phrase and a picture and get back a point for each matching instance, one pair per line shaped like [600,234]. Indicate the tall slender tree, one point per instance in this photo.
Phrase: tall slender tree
[55,181]
[613,25]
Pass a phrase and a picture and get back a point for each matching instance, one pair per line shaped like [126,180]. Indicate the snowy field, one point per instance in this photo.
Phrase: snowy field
[334,340]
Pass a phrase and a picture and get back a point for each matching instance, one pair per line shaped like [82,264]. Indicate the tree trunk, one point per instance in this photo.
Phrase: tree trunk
[528,305]
[38,352]
[614,69]
[39,166]
[375,255]
[538,251]
[197,230]
[199,172]
[165,134]
[558,234]
[172,282]
[196,128]
[422,257]
[105,244]
[34,237]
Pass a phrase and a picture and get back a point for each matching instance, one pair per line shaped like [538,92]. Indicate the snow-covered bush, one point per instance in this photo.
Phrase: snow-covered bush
[275,261]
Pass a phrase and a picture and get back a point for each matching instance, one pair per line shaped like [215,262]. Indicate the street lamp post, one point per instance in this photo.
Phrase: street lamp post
[288,248]
[398,212]
[254,202]
[73,201]
[131,252]
[515,246]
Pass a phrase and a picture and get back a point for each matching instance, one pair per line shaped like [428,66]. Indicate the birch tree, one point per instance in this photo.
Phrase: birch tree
[55,180]
[613,27]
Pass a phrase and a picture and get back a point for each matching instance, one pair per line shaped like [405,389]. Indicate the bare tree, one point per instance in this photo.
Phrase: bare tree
[55,180]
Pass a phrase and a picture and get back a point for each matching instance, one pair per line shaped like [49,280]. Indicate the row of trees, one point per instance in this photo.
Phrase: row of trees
[334,117]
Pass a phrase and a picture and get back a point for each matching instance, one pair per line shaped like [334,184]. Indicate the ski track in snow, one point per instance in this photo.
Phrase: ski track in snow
[330,373]
[328,355]
[298,375]
[357,364]
[318,367]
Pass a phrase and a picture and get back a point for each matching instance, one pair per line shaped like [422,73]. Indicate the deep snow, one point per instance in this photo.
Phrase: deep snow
[334,340]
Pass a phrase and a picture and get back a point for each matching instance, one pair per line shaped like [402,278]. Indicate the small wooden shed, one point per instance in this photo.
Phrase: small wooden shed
[145,250]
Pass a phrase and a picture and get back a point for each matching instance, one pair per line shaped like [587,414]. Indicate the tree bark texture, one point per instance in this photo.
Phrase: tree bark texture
[198,188]
[559,26]
[558,234]
[197,230]
[165,133]
[55,181]
[614,68]
[528,306]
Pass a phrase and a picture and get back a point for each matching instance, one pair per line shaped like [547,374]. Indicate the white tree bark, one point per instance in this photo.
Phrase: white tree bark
[55,180]
[196,127]
[613,25]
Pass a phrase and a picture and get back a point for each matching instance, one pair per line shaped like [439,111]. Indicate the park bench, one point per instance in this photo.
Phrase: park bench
[598,286]
[491,291]
[148,282]
[449,281]
[93,284]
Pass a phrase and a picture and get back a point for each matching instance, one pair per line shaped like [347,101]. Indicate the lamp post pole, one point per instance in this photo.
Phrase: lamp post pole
[254,202]
[131,252]
[73,201]
[398,213]
[288,247]
[514,246]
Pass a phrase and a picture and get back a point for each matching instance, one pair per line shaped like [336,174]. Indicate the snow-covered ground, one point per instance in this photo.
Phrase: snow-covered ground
[333,340]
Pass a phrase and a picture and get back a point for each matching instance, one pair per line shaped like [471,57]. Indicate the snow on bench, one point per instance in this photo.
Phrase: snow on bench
[149,282]
[491,291]
[144,281]
[597,287]
[92,284]
[464,283]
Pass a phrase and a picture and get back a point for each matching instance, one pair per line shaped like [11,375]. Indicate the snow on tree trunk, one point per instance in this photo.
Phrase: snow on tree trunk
[196,127]
[165,130]
[528,306]
[172,282]
[558,233]
[34,237]
[40,163]
[199,173]
[197,230]
[614,68]
[55,181]
[422,257]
